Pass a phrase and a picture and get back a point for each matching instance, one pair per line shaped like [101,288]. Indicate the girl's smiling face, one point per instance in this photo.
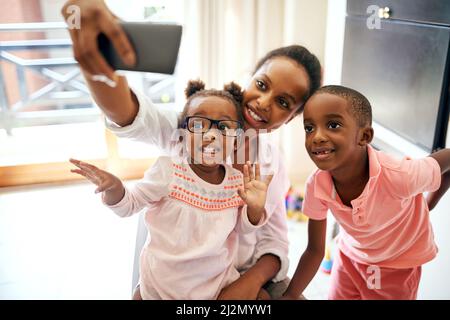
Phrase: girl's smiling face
[333,137]
[212,147]
[277,90]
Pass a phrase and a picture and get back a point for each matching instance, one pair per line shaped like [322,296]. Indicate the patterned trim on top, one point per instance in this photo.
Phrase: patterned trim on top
[185,188]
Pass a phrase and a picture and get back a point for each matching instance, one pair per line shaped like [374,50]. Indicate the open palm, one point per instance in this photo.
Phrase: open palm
[102,179]
[254,190]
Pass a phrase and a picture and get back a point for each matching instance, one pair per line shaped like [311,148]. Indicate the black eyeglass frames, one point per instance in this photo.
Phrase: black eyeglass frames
[197,124]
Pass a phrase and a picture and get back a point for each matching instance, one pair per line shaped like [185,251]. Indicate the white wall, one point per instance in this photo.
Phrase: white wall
[334,43]
[305,24]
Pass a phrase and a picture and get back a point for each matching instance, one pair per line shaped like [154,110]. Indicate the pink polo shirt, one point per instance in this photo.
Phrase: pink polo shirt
[388,224]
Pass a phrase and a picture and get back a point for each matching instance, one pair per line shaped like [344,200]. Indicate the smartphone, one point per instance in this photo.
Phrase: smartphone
[156,46]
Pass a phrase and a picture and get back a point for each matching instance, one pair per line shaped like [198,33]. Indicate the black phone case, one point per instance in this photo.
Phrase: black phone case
[156,46]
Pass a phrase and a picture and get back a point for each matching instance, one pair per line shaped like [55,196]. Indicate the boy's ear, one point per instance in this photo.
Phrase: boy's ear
[366,136]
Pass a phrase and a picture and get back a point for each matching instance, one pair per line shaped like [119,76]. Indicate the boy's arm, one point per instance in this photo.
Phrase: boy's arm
[310,260]
[443,159]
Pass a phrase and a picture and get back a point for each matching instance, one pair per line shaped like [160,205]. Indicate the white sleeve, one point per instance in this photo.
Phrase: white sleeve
[271,162]
[153,124]
[244,225]
[272,238]
[150,189]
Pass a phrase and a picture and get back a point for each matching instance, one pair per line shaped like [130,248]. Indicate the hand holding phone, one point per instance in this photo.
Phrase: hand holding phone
[97,18]
[156,46]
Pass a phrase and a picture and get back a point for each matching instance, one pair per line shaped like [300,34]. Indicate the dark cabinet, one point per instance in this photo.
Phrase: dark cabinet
[402,67]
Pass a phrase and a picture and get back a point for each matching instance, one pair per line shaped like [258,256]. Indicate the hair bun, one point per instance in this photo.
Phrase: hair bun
[235,90]
[193,87]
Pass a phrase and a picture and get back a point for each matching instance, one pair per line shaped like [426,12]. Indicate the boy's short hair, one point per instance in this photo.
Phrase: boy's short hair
[359,105]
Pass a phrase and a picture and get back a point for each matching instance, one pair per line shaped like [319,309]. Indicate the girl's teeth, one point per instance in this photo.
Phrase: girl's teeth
[209,150]
[254,115]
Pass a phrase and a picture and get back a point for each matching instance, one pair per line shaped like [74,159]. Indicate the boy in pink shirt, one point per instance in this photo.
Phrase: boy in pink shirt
[377,200]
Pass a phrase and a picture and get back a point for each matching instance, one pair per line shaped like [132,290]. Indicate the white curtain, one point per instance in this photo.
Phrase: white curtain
[224,38]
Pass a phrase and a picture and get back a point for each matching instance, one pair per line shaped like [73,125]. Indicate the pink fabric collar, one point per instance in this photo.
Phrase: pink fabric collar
[324,186]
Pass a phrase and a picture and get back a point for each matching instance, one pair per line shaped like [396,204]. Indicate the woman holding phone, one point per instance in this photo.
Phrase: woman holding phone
[282,82]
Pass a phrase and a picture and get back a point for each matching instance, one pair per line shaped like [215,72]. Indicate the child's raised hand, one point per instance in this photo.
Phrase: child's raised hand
[254,192]
[102,179]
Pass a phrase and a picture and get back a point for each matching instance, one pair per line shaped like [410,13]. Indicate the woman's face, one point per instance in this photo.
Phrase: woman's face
[275,93]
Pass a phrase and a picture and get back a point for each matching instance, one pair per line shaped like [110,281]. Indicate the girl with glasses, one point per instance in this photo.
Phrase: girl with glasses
[195,207]
[281,83]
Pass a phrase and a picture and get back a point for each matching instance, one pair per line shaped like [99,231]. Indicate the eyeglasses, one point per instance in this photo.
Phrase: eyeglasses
[229,128]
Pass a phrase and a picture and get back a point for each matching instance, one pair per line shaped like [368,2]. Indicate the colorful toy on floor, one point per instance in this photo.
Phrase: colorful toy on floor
[327,262]
[294,202]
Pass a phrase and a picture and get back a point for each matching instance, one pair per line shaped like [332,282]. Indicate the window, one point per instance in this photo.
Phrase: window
[46,112]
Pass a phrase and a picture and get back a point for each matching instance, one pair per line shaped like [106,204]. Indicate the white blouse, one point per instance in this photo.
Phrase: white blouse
[193,228]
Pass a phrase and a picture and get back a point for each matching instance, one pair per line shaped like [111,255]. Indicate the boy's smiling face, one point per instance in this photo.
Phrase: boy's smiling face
[333,137]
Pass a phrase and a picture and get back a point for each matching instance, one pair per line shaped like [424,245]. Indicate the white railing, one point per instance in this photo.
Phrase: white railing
[66,94]
[64,99]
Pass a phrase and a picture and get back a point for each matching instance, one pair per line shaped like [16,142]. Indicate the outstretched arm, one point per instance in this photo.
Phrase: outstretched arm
[310,260]
[131,115]
[118,103]
[106,182]
[443,158]
[128,201]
